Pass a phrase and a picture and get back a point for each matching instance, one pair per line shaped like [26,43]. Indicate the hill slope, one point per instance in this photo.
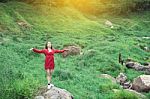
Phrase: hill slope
[22,26]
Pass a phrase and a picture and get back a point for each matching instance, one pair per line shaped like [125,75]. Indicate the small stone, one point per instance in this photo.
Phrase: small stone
[121,78]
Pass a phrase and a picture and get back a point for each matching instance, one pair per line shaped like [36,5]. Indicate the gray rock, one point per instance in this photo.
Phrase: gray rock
[121,78]
[53,93]
[141,83]
[137,66]
[73,50]
[109,24]
[130,64]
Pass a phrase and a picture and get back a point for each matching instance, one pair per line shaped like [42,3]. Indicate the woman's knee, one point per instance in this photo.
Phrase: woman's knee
[51,71]
[48,72]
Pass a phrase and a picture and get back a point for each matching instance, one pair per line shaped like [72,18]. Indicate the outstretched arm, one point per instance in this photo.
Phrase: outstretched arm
[60,51]
[37,51]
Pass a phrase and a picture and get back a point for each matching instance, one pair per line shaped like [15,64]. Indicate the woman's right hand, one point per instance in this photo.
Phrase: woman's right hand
[66,49]
[31,49]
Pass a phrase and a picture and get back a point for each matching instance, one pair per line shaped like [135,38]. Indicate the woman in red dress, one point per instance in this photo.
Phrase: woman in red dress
[49,59]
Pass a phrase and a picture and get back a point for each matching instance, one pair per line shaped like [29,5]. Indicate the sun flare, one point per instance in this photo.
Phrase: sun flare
[82,5]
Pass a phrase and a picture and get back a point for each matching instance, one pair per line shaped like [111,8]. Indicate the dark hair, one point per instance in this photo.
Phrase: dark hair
[47,47]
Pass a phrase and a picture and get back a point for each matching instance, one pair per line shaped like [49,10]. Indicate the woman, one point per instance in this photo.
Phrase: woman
[49,60]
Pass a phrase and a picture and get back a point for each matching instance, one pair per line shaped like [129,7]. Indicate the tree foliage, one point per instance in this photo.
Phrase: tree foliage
[95,6]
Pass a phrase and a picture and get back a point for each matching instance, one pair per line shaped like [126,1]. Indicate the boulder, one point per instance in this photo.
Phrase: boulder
[141,83]
[130,64]
[73,50]
[108,77]
[137,66]
[53,93]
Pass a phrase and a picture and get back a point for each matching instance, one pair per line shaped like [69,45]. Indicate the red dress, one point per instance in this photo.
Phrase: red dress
[49,57]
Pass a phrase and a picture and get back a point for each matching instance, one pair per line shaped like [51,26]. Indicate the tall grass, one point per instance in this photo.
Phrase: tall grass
[22,71]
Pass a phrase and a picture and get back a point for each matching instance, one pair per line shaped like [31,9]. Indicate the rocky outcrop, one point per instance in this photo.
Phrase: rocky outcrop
[137,66]
[73,50]
[122,80]
[53,93]
[142,83]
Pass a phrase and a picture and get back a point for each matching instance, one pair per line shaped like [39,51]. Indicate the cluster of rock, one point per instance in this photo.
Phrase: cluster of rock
[122,80]
[139,84]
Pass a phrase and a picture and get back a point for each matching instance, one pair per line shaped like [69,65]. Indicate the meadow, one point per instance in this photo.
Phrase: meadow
[22,71]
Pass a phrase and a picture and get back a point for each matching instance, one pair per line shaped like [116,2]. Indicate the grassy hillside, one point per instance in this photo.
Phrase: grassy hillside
[22,71]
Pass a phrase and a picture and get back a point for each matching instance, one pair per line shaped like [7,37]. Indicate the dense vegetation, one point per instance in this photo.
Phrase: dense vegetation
[96,6]
[22,72]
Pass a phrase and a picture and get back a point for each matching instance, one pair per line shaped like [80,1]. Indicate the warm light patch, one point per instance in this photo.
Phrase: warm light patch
[82,5]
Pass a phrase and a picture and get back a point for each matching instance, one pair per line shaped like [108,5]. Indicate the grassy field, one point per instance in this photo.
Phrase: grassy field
[22,71]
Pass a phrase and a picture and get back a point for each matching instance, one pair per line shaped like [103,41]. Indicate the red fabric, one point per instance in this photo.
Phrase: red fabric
[49,57]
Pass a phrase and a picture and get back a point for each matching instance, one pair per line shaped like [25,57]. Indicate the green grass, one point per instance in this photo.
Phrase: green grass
[22,71]
[124,95]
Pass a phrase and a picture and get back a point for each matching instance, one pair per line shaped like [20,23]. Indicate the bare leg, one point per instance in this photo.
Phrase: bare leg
[48,76]
[51,71]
